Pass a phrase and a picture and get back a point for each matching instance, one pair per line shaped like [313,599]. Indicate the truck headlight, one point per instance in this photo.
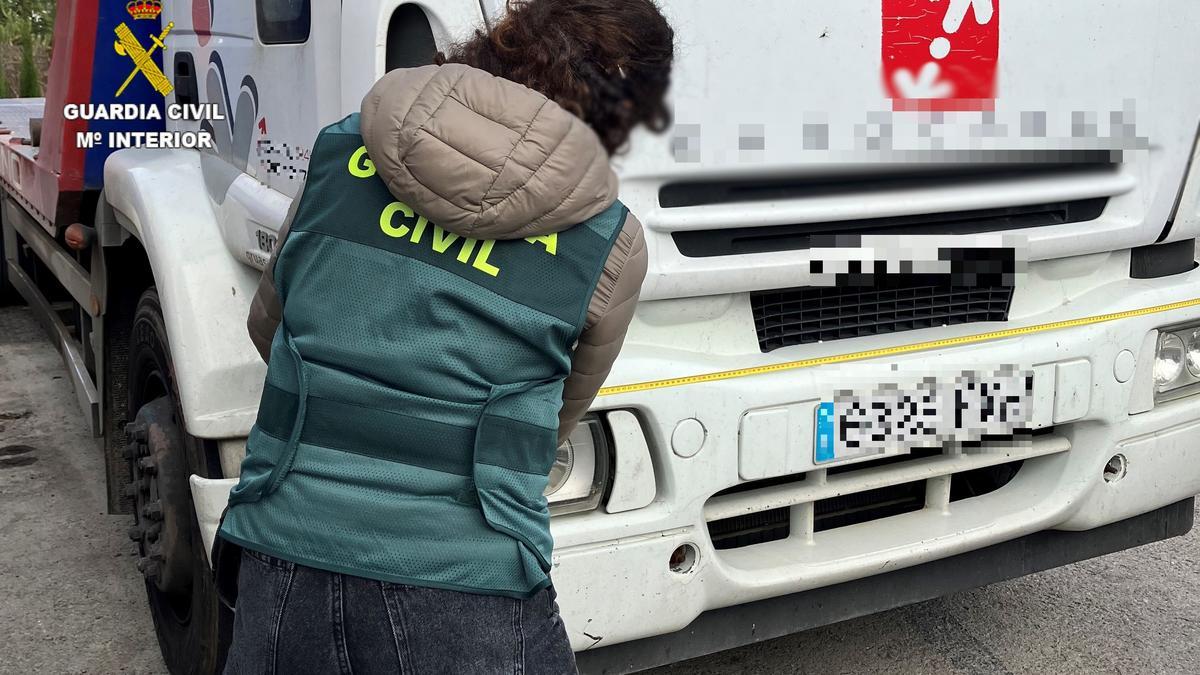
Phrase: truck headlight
[580,471]
[1168,363]
[1192,352]
[1177,362]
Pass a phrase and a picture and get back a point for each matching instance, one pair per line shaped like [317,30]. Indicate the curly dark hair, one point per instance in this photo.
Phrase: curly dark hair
[606,61]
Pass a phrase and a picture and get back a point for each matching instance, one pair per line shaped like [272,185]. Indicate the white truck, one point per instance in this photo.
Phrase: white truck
[922,310]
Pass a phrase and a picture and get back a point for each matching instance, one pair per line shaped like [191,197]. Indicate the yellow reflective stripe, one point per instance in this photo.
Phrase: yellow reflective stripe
[890,351]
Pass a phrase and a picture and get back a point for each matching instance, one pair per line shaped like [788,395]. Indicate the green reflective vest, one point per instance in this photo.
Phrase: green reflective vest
[410,412]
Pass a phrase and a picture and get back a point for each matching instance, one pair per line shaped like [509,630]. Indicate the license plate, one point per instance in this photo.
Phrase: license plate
[894,420]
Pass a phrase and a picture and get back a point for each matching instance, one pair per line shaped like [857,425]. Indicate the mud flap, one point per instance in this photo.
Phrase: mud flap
[210,498]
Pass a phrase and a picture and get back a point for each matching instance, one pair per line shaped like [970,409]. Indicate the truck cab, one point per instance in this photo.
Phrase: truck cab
[860,207]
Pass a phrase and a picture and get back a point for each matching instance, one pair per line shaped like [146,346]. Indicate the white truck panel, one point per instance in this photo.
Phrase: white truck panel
[1187,214]
[159,195]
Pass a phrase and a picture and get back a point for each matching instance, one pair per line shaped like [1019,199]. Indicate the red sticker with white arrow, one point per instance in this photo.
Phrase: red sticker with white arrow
[941,55]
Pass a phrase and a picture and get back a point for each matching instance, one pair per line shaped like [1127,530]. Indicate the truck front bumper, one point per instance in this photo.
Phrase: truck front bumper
[654,570]
[753,622]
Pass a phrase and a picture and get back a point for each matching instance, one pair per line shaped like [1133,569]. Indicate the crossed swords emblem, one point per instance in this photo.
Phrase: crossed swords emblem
[128,45]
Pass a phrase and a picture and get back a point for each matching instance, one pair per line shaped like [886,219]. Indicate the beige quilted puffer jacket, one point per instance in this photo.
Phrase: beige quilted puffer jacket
[487,158]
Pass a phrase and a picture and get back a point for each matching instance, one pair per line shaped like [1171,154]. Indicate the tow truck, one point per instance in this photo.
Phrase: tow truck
[922,310]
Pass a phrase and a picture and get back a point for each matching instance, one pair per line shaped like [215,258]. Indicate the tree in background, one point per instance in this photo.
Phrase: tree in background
[26,28]
[38,14]
[27,82]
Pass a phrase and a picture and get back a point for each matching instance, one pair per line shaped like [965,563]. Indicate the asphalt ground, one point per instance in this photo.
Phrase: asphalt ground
[71,600]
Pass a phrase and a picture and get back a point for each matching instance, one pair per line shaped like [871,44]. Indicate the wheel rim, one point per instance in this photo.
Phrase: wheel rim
[161,508]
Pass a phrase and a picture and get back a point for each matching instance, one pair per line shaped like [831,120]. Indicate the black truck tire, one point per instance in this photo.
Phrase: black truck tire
[193,628]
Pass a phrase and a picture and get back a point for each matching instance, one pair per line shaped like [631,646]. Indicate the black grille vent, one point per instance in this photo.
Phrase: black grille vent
[862,507]
[983,169]
[848,233]
[799,316]
[750,529]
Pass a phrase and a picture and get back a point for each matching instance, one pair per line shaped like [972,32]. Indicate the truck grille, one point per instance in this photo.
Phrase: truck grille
[861,507]
[778,508]
[845,233]
[756,528]
[976,172]
[798,316]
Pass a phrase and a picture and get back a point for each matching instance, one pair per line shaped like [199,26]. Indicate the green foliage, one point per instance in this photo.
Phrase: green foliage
[27,82]
[26,29]
[36,16]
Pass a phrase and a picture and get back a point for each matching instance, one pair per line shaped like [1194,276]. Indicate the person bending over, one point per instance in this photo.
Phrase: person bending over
[451,288]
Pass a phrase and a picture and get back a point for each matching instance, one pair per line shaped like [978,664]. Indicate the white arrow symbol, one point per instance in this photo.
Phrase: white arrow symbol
[958,11]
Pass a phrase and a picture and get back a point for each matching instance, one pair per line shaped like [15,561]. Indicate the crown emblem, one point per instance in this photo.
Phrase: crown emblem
[144,9]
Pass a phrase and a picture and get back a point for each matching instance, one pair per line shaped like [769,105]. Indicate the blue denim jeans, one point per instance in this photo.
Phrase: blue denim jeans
[296,619]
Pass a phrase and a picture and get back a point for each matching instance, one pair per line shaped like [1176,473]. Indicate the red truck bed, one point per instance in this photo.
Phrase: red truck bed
[22,175]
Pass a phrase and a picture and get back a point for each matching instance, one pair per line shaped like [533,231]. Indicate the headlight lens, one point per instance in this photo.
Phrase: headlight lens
[564,461]
[580,471]
[1177,363]
[1168,364]
[1192,352]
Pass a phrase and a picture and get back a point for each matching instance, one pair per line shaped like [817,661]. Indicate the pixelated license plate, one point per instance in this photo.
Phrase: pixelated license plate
[893,420]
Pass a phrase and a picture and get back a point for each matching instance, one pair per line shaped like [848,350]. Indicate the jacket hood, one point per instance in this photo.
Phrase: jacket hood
[482,156]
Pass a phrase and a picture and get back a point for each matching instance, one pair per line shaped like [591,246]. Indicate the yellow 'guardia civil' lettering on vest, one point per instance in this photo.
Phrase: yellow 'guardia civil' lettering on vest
[361,166]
